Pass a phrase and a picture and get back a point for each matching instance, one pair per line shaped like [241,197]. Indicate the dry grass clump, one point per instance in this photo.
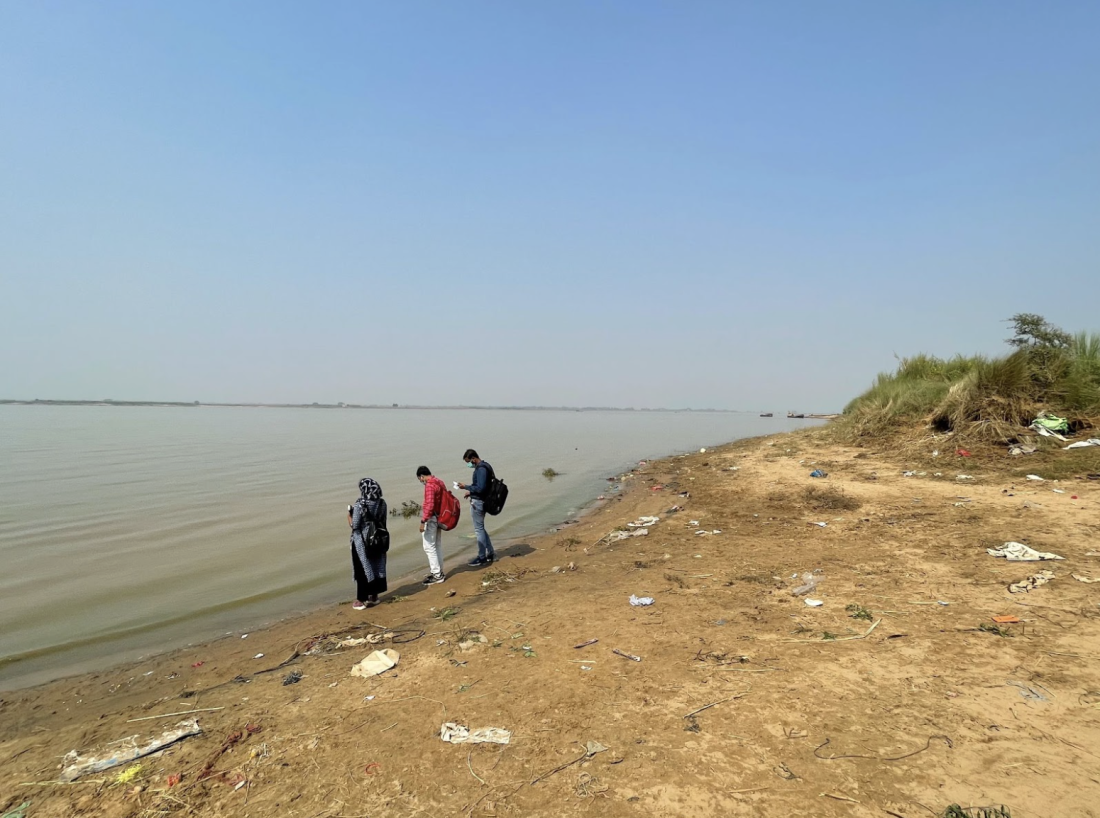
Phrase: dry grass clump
[984,399]
[829,498]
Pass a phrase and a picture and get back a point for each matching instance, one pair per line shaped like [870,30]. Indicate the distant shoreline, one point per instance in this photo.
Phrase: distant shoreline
[199,404]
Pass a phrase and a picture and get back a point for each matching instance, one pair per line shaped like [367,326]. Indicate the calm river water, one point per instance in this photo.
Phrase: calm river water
[131,530]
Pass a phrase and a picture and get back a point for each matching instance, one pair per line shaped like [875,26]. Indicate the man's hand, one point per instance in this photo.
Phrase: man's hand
[466,495]
[422,528]
[462,486]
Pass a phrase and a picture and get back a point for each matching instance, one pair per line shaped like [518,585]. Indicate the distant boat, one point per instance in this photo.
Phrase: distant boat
[793,415]
[765,414]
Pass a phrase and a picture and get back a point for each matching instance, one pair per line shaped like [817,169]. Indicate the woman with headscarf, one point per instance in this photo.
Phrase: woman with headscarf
[370,540]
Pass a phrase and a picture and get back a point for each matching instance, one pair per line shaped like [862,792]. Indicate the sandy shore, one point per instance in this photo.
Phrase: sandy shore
[746,701]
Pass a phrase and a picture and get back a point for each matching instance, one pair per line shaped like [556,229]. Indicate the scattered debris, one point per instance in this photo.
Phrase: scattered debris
[1034,581]
[586,644]
[859,612]
[1035,477]
[1018,552]
[1083,578]
[378,662]
[292,678]
[129,752]
[955,811]
[964,477]
[1022,448]
[810,581]
[814,603]
[1048,424]
[641,601]
[460,734]
[629,656]
[1007,619]
[1028,692]
[643,522]
[819,473]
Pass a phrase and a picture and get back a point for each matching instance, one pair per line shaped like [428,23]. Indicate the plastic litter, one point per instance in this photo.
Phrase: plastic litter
[1025,586]
[809,582]
[18,812]
[1035,477]
[814,603]
[643,522]
[377,662]
[1018,552]
[460,734]
[1022,448]
[1080,444]
[964,477]
[641,601]
[1028,692]
[818,473]
[129,751]
[1050,422]
[1083,578]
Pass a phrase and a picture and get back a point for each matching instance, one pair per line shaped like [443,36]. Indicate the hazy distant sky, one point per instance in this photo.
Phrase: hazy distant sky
[708,204]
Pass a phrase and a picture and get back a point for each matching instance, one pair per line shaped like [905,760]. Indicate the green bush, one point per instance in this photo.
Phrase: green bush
[990,399]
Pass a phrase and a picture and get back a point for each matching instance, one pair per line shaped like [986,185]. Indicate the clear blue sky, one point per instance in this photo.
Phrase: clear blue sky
[732,205]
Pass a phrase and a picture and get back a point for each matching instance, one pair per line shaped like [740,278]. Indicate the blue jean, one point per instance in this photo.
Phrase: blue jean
[484,544]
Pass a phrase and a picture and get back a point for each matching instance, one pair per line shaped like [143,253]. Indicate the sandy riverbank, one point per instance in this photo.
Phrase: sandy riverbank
[923,711]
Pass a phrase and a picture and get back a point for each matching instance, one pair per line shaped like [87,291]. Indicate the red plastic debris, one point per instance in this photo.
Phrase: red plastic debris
[372,767]
[962,453]
[198,664]
[174,779]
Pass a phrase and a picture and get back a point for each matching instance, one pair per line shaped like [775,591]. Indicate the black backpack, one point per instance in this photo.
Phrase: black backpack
[496,495]
[375,536]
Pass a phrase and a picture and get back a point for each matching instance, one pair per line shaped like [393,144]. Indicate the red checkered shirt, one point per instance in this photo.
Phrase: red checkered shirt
[433,497]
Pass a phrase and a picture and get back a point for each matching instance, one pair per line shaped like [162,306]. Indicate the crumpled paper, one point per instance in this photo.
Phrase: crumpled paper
[460,734]
[378,662]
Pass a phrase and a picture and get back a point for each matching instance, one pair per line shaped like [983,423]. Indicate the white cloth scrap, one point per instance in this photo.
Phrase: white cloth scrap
[1018,552]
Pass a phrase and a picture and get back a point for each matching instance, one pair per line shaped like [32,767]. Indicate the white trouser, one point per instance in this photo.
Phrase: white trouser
[433,545]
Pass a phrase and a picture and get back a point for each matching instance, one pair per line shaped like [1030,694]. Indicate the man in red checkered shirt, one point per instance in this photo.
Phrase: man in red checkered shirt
[429,524]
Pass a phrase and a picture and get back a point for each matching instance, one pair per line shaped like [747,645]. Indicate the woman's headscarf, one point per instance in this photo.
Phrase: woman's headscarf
[369,489]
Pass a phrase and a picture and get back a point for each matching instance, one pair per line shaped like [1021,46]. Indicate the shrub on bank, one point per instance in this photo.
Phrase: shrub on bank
[991,399]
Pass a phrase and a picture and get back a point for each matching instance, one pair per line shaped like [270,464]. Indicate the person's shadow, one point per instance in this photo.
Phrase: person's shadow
[514,551]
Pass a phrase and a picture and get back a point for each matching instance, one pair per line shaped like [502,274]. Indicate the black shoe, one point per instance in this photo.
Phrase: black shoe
[489,559]
[434,579]
[476,561]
